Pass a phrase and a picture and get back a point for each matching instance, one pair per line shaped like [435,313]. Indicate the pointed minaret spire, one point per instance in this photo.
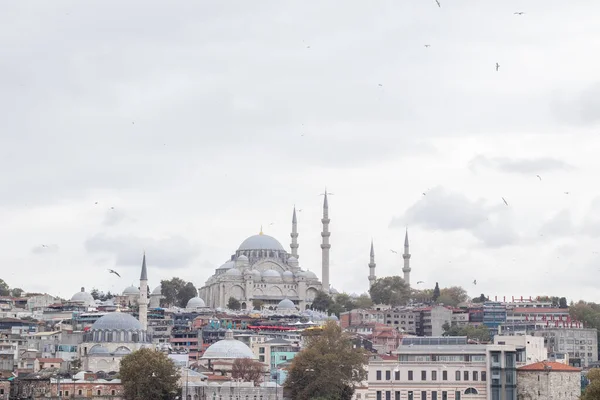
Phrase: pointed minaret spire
[406,257]
[325,246]
[143,300]
[372,265]
[294,245]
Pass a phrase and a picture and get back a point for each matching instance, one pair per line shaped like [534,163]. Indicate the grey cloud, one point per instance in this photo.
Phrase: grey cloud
[114,217]
[530,166]
[448,211]
[580,108]
[560,224]
[45,249]
[171,252]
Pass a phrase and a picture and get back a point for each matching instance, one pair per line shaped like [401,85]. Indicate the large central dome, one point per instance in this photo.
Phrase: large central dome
[261,242]
[117,321]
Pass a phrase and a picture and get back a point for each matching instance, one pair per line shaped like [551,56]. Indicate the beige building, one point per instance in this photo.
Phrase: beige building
[548,381]
[533,346]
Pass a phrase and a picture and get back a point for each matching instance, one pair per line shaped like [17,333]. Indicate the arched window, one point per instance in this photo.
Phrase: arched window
[471,391]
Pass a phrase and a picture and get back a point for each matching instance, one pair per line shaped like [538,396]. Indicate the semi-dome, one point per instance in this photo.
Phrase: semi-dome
[261,242]
[292,261]
[228,348]
[83,297]
[286,304]
[195,302]
[256,274]
[227,265]
[288,275]
[117,321]
[271,273]
[157,290]
[122,351]
[130,291]
[98,350]
[233,272]
[310,275]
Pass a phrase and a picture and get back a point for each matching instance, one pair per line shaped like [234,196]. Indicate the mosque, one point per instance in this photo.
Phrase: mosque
[261,269]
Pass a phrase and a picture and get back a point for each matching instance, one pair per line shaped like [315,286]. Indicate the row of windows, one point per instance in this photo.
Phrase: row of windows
[433,395]
[475,375]
[80,393]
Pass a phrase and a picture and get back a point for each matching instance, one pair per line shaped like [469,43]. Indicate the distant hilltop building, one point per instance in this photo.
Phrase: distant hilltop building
[261,269]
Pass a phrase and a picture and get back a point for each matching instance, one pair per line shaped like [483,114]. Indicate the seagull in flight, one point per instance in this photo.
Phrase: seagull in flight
[504,200]
[427,45]
[566,192]
[394,251]
[475,282]
[438,3]
[540,178]
[497,67]
[112,271]
[519,13]
[419,282]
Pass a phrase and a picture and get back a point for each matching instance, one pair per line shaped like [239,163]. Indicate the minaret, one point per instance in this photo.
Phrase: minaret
[406,257]
[294,245]
[143,301]
[325,246]
[372,266]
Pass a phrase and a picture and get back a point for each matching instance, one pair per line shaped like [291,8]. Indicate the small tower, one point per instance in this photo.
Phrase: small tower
[372,266]
[325,246]
[294,245]
[143,300]
[406,257]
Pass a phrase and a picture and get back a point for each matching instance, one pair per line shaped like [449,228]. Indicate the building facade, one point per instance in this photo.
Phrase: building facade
[548,381]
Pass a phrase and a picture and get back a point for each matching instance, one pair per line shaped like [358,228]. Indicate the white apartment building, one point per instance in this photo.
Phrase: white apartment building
[533,347]
[444,368]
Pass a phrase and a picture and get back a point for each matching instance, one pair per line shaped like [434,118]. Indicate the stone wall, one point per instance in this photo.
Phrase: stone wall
[553,385]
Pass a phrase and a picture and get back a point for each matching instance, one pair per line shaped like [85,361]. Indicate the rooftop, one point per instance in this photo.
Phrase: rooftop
[549,366]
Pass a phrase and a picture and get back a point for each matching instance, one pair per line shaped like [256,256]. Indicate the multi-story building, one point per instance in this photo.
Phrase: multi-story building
[404,320]
[361,317]
[581,344]
[432,319]
[548,381]
[494,314]
[460,318]
[444,368]
[532,348]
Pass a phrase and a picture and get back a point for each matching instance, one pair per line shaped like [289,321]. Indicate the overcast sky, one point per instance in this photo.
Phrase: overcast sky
[200,121]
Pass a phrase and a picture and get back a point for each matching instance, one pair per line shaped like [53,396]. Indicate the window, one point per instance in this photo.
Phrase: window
[410,375]
[475,375]
[423,375]
[397,396]
[379,395]
[466,375]
[397,375]
[457,395]
[434,375]
[378,377]
[388,375]
[388,395]
[471,391]
[113,392]
[423,395]
[434,395]
[66,393]
[261,358]
[261,350]
[80,392]
[444,395]
[411,396]
[99,392]
[60,393]
[444,375]
[483,376]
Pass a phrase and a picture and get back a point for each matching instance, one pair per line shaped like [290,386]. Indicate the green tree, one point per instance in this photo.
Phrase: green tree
[480,333]
[234,304]
[592,391]
[391,290]
[257,304]
[436,292]
[170,290]
[322,301]
[96,294]
[422,296]
[148,374]
[562,302]
[363,301]
[247,370]
[456,294]
[4,289]
[328,367]
[17,292]
[186,293]
[480,299]
[345,302]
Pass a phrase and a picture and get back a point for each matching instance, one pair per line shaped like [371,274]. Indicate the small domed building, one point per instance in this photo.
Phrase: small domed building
[155,297]
[194,304]
[110,338]
[222,353]
[83,299]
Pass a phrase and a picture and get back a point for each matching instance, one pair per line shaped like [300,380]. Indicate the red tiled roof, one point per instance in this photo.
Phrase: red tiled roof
[540,310]
[218,378]
[388,357]
[549,366]
[50,360]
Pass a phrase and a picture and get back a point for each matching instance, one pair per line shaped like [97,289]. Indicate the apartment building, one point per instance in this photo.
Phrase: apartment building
[443,368]
[581,344]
